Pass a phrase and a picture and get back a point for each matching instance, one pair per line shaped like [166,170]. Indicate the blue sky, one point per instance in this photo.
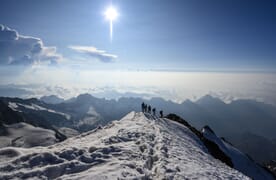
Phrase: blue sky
[175,49]
[184,34]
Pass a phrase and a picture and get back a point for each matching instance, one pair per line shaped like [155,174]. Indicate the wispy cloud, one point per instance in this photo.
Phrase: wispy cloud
[93,52]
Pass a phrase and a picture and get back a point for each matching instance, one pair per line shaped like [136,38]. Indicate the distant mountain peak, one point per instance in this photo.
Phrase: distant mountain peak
[208,99]
[85,97]
[52,99]
[188,102]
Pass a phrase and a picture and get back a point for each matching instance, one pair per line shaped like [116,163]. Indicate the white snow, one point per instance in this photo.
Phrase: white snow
[91,111]
[91,117]
[239,159]
[15,106]
[68,132]
[137,146]
[26,135]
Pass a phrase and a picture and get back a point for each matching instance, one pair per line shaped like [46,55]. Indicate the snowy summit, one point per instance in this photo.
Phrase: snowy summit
[137,146]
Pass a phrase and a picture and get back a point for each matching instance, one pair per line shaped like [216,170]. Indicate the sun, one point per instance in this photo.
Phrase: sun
[111,13]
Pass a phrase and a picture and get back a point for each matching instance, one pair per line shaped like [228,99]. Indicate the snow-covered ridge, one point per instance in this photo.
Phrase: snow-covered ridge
[137,146]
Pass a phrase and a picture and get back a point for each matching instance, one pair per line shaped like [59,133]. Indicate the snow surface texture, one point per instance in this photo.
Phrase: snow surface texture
[240,160]
[26,135]
[138,146]
[68,132]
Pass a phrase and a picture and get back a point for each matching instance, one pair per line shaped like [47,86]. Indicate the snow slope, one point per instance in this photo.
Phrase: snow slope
[16,107]
[26,135]
[137,146]
[240,161]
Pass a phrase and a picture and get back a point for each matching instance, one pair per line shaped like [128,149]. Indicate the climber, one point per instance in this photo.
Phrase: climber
[143,107]
[153,111]
[149,109]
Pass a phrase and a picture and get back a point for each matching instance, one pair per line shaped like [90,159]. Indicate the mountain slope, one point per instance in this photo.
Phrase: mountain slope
[26,135]
[137,146]
[240,161]
[22,130]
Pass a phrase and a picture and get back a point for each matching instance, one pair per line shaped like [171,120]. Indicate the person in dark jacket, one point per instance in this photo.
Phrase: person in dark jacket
[149,109]
[161,114]
[153,111]
[143,107]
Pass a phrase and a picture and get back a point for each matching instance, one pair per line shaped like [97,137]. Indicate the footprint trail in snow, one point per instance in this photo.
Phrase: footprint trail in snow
[137,146]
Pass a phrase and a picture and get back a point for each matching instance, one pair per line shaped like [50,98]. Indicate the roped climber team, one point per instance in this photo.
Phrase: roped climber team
[147,109]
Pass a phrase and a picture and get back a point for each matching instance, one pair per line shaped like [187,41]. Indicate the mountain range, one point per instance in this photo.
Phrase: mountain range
[245,123]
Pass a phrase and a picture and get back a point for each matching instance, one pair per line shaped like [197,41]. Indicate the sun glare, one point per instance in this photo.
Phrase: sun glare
[111,13]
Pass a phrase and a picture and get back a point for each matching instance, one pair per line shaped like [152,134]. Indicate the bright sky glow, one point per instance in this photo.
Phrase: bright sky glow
[152,35]
[167,38]
[111,14]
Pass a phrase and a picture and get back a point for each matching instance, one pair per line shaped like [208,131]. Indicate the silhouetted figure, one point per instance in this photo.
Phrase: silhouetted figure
[161,114]
[149,109]
[143,107]
[153,111]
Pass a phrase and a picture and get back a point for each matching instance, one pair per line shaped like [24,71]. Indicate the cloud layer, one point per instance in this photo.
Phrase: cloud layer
[16,49]
[226,86]
[95,53]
